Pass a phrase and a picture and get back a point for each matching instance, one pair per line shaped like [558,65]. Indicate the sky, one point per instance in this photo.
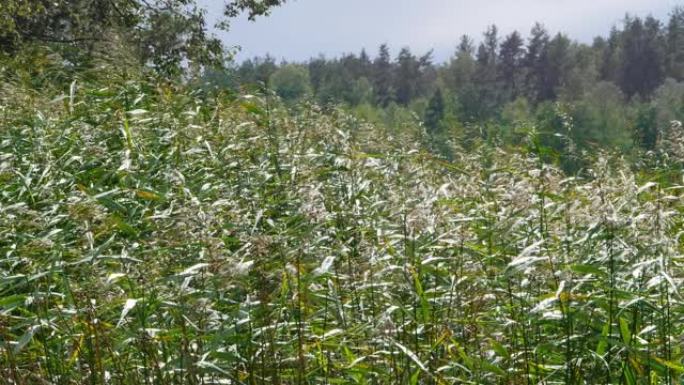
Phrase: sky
[302,29]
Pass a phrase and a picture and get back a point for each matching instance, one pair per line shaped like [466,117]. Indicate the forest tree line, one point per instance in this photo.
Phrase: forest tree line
[614,92]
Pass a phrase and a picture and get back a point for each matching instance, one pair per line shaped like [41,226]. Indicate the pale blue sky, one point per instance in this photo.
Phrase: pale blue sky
[302,29]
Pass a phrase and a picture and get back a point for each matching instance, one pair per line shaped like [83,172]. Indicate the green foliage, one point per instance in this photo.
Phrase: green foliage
[642,67]
[645,126]
[362,92]
[669,102]
[152,233]
[601,117]
[291,82]
[435,113]
[253,8]
[516,118]
[409,75]
[675,45]
[169,36]
[383,77]
[157,231]
[160,34]
[512,55]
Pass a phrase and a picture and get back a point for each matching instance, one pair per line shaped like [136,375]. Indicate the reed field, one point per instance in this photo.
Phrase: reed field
[155,234]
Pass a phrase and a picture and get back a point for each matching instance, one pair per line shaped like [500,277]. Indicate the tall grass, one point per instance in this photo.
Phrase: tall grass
[151,234]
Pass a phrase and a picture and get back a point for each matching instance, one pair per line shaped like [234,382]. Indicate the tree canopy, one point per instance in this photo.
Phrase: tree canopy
[164,34]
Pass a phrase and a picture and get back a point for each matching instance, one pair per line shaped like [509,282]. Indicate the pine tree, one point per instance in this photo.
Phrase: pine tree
[486,79]
[406,75]
[534,61]
[460,78]
[317,73]
[365,65]
[382,77]
[459,72]
[611,56]
[510,65]
[555,67]
[643,59]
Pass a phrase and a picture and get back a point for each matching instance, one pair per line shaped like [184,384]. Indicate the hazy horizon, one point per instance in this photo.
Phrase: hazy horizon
[302,29]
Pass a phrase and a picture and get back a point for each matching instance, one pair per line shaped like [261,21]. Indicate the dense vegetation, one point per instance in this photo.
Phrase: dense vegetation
[169,36]
[155,230]
[155,234]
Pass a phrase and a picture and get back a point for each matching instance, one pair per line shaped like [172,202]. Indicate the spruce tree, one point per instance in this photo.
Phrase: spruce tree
[510,65]
[382,77]
[533,62]
[642,61]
